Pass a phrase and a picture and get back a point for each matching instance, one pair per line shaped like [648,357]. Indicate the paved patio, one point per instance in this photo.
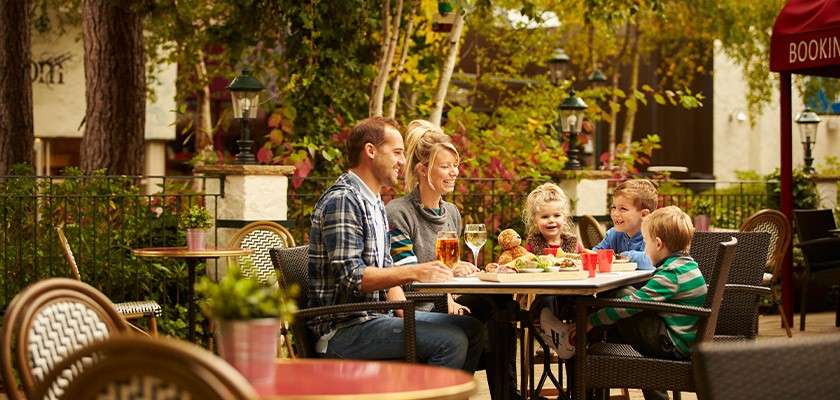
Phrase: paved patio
[769,327]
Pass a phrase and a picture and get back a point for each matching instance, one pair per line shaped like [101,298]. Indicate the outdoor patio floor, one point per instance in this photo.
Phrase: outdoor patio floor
[769,326]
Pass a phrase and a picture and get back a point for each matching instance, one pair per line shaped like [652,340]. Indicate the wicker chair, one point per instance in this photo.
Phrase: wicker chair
[821,249]
[45,323]
[608,365]
[778,226]
[591,232]
[130,310]
[293,263]
[261,236]
[775,369]
[738,315]
[129,367]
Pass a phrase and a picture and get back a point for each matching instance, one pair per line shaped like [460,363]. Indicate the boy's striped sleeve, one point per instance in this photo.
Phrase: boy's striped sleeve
[661,287]
[402,248]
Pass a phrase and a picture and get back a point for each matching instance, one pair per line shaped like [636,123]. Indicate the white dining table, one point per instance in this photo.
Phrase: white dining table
[577,289]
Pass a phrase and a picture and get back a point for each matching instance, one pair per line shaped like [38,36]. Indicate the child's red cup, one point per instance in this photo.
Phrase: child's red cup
[590,262]
[550,251]
[605,259]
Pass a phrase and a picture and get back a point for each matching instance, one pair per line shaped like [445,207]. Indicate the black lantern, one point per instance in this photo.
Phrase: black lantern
[597,77]
[571,117]
[808,121]
[245,93]
[557,65]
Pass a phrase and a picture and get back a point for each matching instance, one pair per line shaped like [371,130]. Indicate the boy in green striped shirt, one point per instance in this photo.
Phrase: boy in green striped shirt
[667,234]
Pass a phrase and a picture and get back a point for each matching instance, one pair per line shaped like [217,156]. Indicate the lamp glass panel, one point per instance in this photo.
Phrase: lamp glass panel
[808,133]
[570,120]
[245,104]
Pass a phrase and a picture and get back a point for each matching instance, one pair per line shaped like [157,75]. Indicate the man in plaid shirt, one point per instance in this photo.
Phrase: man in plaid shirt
[349,262]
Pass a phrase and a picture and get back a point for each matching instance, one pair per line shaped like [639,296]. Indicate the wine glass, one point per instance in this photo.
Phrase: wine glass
[475,235]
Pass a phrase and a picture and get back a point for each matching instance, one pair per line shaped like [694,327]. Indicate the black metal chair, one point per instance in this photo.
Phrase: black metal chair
[293,263]
[612,365]
[738,315]
[821,247]
[775,369]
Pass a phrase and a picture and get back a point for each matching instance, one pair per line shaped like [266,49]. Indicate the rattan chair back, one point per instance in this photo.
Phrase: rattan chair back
[778,226]
[68,253]
[591,232]
[261,236]
[716,284]
[775,369]
[136,367]
[738,316]
[46,322]
[293,263]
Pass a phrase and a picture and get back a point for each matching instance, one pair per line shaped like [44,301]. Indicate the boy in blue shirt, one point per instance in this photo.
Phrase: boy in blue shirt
[632,201]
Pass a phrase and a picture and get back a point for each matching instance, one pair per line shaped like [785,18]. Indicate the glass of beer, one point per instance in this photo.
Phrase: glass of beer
[447,249]
[475,235]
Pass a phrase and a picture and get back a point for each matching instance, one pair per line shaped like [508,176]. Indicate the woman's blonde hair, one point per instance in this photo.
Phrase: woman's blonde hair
[538,198]
[423,141]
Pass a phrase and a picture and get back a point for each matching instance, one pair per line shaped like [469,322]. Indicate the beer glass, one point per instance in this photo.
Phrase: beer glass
[447,250]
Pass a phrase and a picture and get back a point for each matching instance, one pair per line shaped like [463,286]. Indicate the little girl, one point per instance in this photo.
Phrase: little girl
[546,217]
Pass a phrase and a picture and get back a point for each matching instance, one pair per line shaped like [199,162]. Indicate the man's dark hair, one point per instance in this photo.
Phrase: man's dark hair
[369,130]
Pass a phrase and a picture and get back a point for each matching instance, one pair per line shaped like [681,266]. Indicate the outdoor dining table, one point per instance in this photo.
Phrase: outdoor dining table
[304,379]
[193,257]
[577,290]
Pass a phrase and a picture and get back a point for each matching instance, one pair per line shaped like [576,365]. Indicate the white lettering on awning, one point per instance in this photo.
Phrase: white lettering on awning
[818,49]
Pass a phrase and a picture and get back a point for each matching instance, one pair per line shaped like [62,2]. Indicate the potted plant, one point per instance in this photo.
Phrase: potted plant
[195,221]
[247,314]
[702,210]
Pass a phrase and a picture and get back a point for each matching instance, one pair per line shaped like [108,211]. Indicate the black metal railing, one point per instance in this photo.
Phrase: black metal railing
[104,217]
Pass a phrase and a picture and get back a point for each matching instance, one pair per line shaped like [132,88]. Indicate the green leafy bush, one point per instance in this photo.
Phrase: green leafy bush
[196,217]
[702,206]
[237,297]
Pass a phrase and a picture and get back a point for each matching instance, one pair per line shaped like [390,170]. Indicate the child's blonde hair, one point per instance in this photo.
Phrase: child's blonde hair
[641,192]
[423,141]
[672,226]
[538,198]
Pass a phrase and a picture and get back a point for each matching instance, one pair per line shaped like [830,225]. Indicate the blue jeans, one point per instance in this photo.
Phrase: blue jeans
[453,341]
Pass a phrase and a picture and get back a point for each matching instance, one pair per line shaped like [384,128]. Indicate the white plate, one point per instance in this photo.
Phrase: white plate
[553,269]
[531,270]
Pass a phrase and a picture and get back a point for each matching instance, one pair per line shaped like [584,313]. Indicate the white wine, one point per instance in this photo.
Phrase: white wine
[475,239]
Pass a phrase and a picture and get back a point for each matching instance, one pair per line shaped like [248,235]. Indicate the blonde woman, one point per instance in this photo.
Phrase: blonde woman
[431,169]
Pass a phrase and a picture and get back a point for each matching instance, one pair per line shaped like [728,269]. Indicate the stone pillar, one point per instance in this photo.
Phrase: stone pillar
[827,190]
[248,193]
[587,191]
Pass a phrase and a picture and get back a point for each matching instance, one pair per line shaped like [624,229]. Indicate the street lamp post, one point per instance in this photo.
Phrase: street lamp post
[807,121]
[571,117]
[245,93]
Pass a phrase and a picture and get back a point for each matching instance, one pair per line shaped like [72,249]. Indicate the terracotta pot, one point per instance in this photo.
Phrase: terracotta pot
[702,223]
[196,239]
[250,346]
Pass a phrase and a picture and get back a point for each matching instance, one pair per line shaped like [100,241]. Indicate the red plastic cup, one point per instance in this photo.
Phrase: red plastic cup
[605,259]
[550,250]
[590,262]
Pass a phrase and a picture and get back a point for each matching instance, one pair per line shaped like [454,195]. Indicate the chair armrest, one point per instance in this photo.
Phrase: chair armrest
[439,299]
[749,289]
[351,307]
[826,241]
[652,306]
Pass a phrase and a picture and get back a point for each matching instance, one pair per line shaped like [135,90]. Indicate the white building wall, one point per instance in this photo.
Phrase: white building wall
[740,146]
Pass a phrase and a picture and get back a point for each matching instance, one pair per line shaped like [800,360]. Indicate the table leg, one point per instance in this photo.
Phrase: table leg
[191,265]
[581,314]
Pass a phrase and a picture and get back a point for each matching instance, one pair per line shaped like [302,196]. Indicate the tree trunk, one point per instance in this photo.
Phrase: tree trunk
[203,116]
[390,37]
[115,88]
[16,130]
[395,89]
[448,68]
[630,115]
[613,116]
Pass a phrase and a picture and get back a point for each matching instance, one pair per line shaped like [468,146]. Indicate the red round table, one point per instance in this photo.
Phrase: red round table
[353,379]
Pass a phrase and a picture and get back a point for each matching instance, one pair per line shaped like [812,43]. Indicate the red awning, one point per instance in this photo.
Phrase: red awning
[806,38]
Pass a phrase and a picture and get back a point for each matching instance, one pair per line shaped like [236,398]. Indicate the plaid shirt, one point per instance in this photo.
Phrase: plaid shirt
[342,243]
